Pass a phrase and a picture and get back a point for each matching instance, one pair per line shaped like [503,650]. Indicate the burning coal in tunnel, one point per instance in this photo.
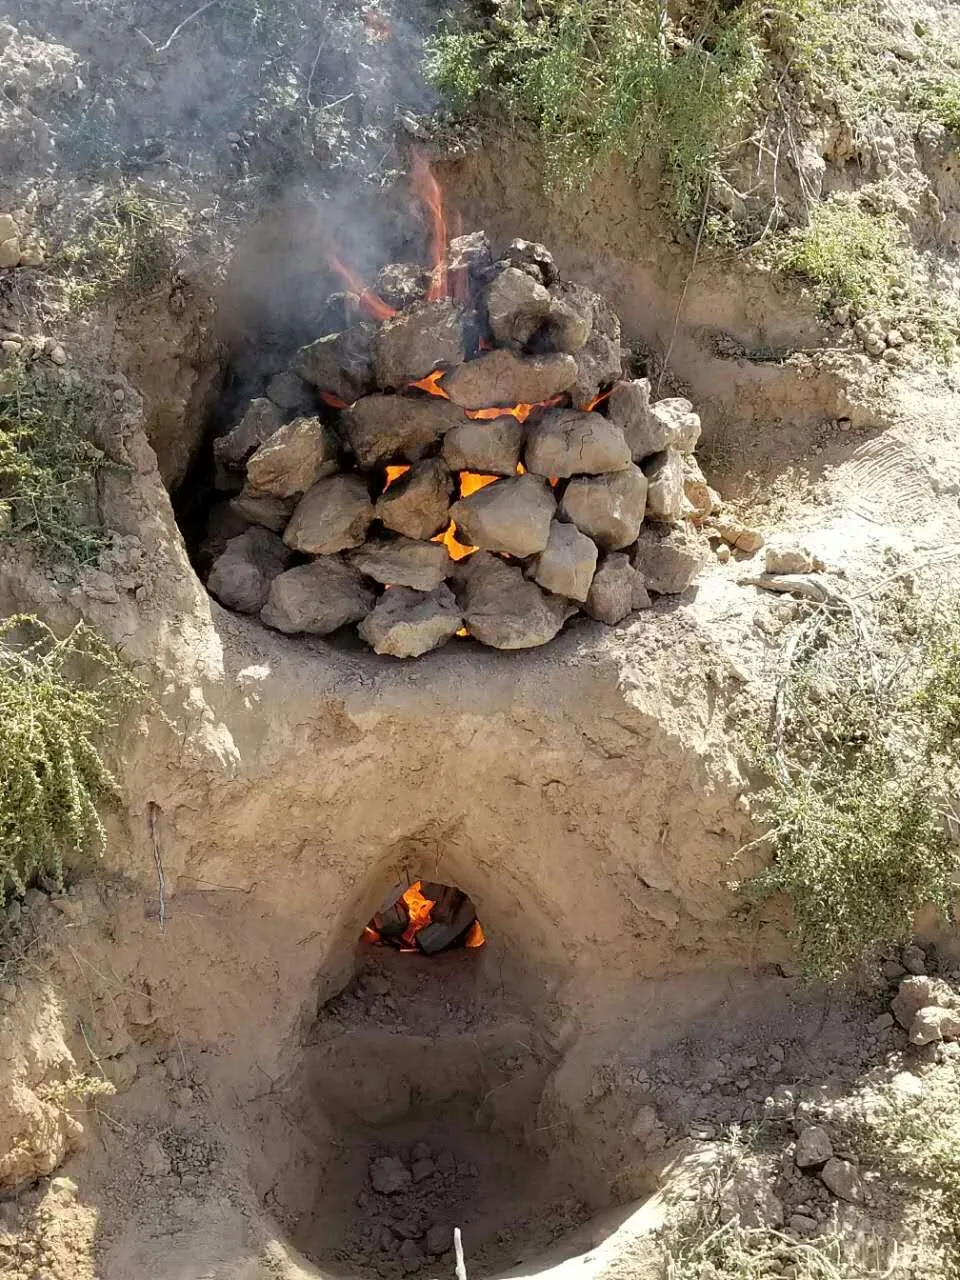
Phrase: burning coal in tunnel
[425,918]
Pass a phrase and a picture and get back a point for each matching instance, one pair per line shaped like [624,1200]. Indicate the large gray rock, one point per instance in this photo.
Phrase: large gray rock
[567,563]
[241,576]
[289,391]
[516,305]
[566,442]
[406,623]
[294,458]
[933,1023]
[333,516]
[403,562]
[383,429]
[512,516]
[533,258]
[664,472]
[920,992]
[598,361]
[257,425]
[628,405]
[609,509]
[569,322]
[417,504]
[843,1178]
[503,609]
[340,363]
[679,422]
[502,378]
[400,284]
[670,557]
[617,590]
[419,339]
[490,447]
[263,508]
[317,598]
[469,256]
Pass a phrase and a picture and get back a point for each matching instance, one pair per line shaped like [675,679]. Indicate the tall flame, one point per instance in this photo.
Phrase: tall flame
[369,301]
[427,189]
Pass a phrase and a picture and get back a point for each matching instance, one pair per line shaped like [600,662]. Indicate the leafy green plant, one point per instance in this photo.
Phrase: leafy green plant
[845,255]
[127,250]
[48,465]
[58,698]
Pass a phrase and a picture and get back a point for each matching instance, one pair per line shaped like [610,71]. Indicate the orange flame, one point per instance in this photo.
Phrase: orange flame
[475,938]
[427,189]
[597,400]
[394,473]
[419,911]
[368,300]
[471,481]
[431,384]
[333,401]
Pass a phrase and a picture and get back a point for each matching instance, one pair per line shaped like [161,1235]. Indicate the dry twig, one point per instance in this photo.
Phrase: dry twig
[153,811]
[458,1250]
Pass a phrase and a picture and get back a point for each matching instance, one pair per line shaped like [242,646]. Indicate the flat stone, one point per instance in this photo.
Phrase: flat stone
[407,623]
[813,1147]
[388,1175]
[664,474]
[933,1023]
[263,508]
[332,516]
[421,338]
[417,504]
[289,391]
[262,419]
[340,363]
[241,576]
[737,535]
[598,361]
[918,992]
[783,556]
[678,420]
[402,562]
[491,448]
[317,598]
[511,516]
[294,458]
[400,284]
[502,378]
[843,1179]
[567,564]
[503,609]
[609,509]
[516,305]
[566,442]
[385,429]
[669,558]
[616,591]
[534,258]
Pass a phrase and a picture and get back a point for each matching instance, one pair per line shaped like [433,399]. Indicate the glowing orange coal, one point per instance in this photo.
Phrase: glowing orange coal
[394,473]
[416,909]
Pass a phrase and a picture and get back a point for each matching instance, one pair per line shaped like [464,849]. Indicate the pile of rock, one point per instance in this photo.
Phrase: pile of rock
[473,463]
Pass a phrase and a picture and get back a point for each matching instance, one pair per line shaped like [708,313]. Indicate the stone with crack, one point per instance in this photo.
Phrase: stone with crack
[402,562]
[782,556]
[511,516]
[516,306]
[609,508]
[241,576]
[567,442]
[616,591]
[407,623]
[294,458]
[567,563]
[332,516]
[317,598]
[664,474]
[669,558]
[501,378]
[503,609]
[262,419]
[419,339]
[340,363]
[262,508]
[417,504]
[491,447]
[392,429]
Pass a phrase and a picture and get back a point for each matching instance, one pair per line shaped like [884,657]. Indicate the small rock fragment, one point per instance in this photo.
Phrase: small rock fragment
[516,307]
[669,558]
[679,422]
[332,516]
[703,500]
[317,598]
[843,1179]
[802,1224]
[424,1168]
[933,1023]
[566,565]
[664,485]
[787,557]
[241,576]
[914,959]
[9,253]
[738,536]
[813,1147]
[406,624]
[257,425]
[616,591]
[388,1175]
[263,508]
[340,363]
[400,284]
[916,993]
[439,1240]
[533,258]
[599,360]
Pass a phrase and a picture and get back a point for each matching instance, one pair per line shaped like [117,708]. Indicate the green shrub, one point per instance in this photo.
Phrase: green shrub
[48,466]
[862,763]
[845,255]
[57,699]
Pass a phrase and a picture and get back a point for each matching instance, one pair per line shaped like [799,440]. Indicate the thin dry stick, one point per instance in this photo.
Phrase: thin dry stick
[90,1049]
[458,1250]
[686,286]
[162,48]
[152,811]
